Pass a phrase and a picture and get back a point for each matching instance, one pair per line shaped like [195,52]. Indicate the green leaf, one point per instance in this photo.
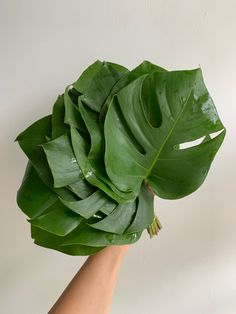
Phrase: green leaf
[96,238]
[82,188]
[81,85]
[62,161]
[145,67]
[95,163]
[30,140]
[90,205]
[145,211]
[33,196]
[58,220]
[81,150]
[118,220]
[96,83]
[187,113]
[72,115]
[95,158]
[51,241]
[58,125]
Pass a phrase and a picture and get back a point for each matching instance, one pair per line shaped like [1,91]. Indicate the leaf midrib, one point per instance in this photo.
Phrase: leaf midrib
[168,135]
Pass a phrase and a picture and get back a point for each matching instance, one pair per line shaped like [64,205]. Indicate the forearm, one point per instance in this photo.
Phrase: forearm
[91,289]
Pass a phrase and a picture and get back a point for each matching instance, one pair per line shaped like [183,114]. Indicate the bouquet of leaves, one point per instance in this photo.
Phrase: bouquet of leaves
[116,138]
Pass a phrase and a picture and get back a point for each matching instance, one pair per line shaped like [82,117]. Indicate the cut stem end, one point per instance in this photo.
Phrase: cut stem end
[154,227]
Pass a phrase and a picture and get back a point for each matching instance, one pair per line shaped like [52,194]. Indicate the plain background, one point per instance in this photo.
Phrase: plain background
[44,45]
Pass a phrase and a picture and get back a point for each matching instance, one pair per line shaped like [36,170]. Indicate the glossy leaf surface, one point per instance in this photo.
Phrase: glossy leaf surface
[147,119]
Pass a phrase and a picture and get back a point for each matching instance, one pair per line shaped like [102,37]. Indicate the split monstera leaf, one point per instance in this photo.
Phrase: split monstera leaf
[114,139]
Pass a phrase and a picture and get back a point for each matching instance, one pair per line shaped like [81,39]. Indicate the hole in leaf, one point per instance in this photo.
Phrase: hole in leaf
[150,103]
[197,141]
[191,143]
[214,134]
[126,128]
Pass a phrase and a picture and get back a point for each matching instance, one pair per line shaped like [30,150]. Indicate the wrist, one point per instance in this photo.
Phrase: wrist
[118,250]
[111,252]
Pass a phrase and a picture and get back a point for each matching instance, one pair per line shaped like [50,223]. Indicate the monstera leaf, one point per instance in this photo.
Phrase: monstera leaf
[148,120]
[114,139]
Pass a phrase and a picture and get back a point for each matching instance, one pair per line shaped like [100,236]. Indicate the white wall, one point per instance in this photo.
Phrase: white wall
[44,45]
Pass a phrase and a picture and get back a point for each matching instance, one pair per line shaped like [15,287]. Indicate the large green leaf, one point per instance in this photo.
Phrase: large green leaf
[187,113]
[58,113]
[33,196]
[145,67]
[57,219]
[82,188]
[90,205]
[118,220]
[144,214]
[83,82]
[96,82]
[31,141]
[81,150]
[51,241]
[72,115]
[62,162]
[95,156]
[96,238]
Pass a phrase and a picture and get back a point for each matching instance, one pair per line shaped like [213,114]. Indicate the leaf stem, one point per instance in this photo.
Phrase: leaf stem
[154,227]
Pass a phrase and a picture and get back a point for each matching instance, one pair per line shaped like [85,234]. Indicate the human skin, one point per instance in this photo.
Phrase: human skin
[91,289]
